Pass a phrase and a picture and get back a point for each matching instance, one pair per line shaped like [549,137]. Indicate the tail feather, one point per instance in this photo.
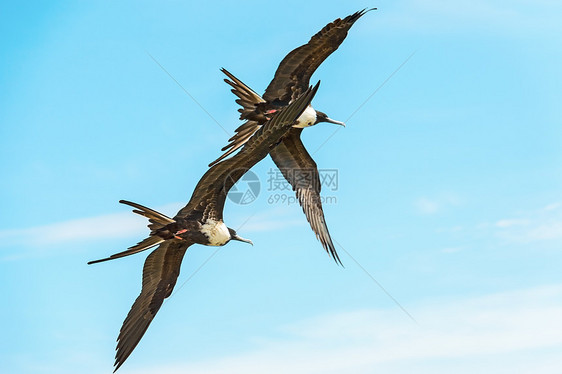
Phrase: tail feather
[157,220]
[147,243]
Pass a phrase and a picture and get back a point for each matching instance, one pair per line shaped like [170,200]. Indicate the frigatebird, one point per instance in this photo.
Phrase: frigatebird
[200,221]
[291,157]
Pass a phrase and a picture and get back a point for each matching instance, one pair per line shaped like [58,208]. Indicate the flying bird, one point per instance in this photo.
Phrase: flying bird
[291,157]
[200,221]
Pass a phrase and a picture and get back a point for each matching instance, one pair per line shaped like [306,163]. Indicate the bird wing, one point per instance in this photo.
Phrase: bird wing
[208,198]
[291,78]
[299,169]
[159,276]
[248,99]
[294,72]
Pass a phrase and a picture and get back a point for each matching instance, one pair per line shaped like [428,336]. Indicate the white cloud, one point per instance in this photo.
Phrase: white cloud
[518,331]
[539,225]
[106,226]
[552,206]
[427,206]
[547,231]
[123,225]
[511,222]
[274,219]
[127,224]
[118,225]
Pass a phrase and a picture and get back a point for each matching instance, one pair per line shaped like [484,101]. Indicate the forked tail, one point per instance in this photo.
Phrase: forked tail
[157,220]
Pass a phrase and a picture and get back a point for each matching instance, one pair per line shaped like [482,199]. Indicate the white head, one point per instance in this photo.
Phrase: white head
[311,117]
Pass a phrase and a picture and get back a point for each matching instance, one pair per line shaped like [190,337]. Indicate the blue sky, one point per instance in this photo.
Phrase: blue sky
[449,191]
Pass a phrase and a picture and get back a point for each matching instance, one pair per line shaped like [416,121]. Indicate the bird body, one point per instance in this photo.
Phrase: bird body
[291,78]
[216,231]
[209,232]
[308,118]
[273,126]
[289,154]
[199,222]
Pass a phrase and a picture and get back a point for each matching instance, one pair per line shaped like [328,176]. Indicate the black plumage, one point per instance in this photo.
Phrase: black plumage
[291,157]
[194,224]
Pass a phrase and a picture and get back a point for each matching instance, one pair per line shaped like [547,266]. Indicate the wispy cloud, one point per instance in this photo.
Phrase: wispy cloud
[108,226]
[123,225]
[521,227]
[547,231]
[274,219]
[427,206]
[511,222]
[552,206]
[126,224]
[432,205]
[484,334]
[538,225]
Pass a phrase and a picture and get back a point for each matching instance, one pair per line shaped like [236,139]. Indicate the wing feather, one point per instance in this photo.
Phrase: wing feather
[160,273]
[249,100]
[208,198]
[294,72]
[291,79]
[299,169]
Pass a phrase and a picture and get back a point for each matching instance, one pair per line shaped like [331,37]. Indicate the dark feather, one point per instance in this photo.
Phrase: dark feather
[294,71]
[209,195]
[299,169]
[291,79]
[147,243]
[160,273]
[162,266]
[249,100]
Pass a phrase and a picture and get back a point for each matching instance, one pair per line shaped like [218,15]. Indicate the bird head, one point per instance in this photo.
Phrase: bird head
[322,117]
[234,236]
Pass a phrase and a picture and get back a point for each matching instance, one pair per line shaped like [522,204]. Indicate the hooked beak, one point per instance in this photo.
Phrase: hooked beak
[241,239]
[329,120]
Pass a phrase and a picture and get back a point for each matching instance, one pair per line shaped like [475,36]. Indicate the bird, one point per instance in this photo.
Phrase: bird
[291,157]
[199,222]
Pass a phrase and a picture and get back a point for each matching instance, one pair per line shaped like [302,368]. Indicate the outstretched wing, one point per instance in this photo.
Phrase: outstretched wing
[299,169]
[291,78]
[207,201]
[160,272]
[293,74]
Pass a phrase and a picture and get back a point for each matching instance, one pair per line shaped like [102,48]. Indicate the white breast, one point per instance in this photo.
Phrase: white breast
[307,118]
[216,231]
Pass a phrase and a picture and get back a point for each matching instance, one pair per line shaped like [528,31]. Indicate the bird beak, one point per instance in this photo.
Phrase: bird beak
[329,120]
[241,239]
